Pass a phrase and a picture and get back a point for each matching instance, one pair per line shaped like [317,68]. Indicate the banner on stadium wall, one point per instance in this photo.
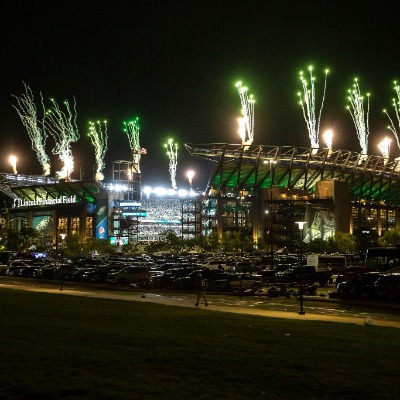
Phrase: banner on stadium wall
[43,223]
[102,219]
[44,202]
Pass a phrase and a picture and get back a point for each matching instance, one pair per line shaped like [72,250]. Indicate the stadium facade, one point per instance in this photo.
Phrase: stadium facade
[258,191]
[119,211]
[262,191]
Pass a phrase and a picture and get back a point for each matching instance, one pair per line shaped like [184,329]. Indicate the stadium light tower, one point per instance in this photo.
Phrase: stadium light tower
[190,175]
[13,162]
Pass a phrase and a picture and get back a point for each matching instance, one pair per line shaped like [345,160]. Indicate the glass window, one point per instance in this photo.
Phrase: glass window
[75,225]
[89,228]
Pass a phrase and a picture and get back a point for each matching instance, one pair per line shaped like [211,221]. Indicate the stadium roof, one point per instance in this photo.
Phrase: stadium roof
[241,167]
[84,191]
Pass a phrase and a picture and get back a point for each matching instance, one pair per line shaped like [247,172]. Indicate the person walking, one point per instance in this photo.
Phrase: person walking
[202,285]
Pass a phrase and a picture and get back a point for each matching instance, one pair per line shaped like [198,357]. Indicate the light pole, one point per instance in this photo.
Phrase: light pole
[241,224]
[271,237]
[301,228]
[271,162]
[62,235]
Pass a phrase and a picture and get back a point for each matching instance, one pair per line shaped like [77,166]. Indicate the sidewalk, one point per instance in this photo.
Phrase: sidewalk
[169,301]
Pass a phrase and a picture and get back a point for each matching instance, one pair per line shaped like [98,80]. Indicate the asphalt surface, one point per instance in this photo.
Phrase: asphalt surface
[255,305]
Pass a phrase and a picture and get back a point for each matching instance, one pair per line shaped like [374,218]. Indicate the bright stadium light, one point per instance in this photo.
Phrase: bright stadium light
[171,192]
[159,191]
[147,191]
[182,193]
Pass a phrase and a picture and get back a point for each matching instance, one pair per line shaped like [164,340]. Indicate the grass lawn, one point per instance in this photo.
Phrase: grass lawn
[65,347]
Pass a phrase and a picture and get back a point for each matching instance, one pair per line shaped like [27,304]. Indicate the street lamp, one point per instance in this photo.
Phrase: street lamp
[62,235]
[241,223]
[301,228]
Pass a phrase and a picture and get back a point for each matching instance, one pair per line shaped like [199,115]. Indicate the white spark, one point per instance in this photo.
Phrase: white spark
[62,126]
[98,136]
[384,147]
[328,136]
[307,102]
[396,105]
[247,102]
[27,112]
[359,115]
[172,152]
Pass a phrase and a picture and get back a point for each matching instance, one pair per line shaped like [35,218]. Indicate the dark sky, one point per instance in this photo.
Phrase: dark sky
[174,64]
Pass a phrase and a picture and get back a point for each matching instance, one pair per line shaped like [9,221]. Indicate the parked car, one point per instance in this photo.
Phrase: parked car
[189,281]
[167,278]
[98,274]
[130,275]
[214,264]
[237,283]
[268,275]
[360,286]
[307,273]
[387,287]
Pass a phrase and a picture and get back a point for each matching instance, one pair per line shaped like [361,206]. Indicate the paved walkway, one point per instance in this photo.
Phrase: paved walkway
[170,301]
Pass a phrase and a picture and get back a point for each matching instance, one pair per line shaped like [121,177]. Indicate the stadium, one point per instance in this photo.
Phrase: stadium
[257,191]
[120,211]
[262,191]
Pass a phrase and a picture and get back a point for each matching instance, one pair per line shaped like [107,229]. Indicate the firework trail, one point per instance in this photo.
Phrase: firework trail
[307,102]
[396,105]
[384,147]
[61,125]
[246,124]
[172,153]
[359,115]
[27,112]
[132,129]
[98,136]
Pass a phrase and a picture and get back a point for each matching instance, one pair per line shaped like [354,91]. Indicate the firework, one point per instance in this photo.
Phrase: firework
[396,105]
[242,129]
[27,112]
[308,104]
[61,125]
[328,135]
[246,123]
[384,147]
[172,153]
[98,136]
[132,129]
[359,115]
[13,162]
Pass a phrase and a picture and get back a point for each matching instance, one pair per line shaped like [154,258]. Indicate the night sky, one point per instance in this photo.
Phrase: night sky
[174,64]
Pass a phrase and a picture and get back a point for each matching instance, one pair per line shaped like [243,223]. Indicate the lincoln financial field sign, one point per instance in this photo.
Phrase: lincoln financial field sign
[44,202]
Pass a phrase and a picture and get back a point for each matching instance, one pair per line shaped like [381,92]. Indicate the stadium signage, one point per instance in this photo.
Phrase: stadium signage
[44,202]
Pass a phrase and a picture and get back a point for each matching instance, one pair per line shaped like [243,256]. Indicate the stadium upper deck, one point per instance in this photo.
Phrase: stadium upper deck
[239,167]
